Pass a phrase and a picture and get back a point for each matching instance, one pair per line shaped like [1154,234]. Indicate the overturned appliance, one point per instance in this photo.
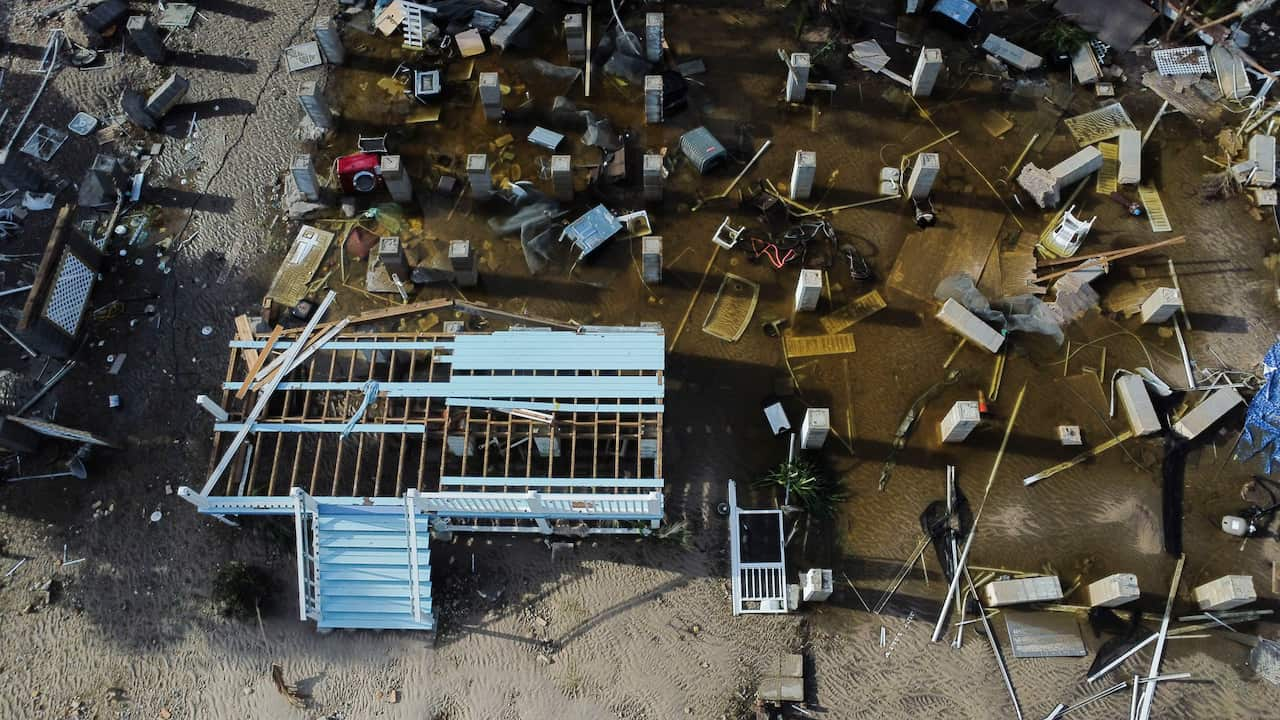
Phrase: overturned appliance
[590,231]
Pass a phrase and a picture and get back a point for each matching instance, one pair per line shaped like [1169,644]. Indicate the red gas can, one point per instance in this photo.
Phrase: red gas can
[359,172]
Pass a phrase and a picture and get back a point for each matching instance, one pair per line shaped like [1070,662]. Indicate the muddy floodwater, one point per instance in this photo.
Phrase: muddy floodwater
[642,628]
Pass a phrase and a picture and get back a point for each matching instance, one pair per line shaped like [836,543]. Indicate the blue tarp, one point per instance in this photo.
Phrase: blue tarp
[1262,419]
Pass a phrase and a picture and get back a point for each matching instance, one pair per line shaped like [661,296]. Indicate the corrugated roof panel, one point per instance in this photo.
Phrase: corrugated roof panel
[559,351]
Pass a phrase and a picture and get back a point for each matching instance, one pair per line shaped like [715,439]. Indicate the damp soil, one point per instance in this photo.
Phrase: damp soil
[623,627]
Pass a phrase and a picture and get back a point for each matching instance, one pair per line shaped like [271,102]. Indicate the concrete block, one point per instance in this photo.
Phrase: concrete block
[491,95]
[167,96]
[797,77]
[1040,184]
[928,66]
[959,421]
[816,585]
[808,290]
[1225,593]
[1160,305]
[653,111]
[575,37]
[314,105]
[1140,413]
[802,174]
[651,259]
[1130,172]
[329,40]
[1045,588]
[1114,590]
[958,318]
[143,35]
[395,178]
[1085,65]
[923,173]
[1262,152]
[1077,167]
[651,177]
[514,23]
[653,36]
[814,428]
[1016,56]
[478,175]
[1210,410]
[304,177]
[562,177]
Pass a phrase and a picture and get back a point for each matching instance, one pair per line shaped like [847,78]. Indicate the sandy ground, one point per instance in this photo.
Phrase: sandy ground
[617,627]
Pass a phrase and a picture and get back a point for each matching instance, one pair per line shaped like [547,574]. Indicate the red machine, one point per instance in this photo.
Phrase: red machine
[359,172]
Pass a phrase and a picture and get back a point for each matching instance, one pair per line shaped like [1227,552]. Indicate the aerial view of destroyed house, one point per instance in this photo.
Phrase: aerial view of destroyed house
[639,359]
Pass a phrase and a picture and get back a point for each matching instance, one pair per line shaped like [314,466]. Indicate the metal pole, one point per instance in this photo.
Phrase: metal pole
[1149,695]
[995,647]
[18,340]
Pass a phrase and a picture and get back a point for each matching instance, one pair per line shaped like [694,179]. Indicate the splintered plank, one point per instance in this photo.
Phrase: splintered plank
[1108,176]
[862,307]
[809,346]
[244,331]
[1155,209]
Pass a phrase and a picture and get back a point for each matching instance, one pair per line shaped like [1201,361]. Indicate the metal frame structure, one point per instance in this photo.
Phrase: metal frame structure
[758,587]
[524,430]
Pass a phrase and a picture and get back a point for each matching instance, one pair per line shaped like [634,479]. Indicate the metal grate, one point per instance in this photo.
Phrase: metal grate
[1182,61]
[731,312]
[1155,209]
[1109,175]
[809,346]
[1101,124]
[70,294]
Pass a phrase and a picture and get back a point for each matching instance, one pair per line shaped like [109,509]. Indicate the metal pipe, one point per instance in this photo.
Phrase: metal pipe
[1144,706]
[1114,663]
[995,646]
[47,387]
[18,340]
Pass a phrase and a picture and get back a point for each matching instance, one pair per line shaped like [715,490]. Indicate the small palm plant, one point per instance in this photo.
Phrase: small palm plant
[806,488]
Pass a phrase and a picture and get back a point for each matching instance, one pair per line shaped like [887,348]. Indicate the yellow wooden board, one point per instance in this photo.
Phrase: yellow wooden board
[809,346]
[1110,172]
[1155,209]
[861,308]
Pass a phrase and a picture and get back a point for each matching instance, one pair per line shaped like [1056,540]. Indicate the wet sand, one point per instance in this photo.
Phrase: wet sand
[622,627]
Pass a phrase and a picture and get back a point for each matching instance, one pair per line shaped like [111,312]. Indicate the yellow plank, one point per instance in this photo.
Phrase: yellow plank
[1110,172]
[1155,209]
[809,346]
[861,308]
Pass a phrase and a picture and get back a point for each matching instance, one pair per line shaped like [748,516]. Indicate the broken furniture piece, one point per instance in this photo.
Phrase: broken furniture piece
[726,235]
[1067,235]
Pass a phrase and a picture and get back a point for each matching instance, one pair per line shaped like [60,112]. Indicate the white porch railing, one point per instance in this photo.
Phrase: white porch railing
[756,587]
[534,506]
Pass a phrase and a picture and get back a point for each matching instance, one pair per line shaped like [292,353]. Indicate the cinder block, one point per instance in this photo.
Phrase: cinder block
[814,428]
[1262,151]
[1131,389]
[1210,410]
[1045,588]
[1161,305]
[928,65]
[1225,593]
[959,421]
[1114,590]
[1077,167]
[1130,172]
[958,318]
[1015,55]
